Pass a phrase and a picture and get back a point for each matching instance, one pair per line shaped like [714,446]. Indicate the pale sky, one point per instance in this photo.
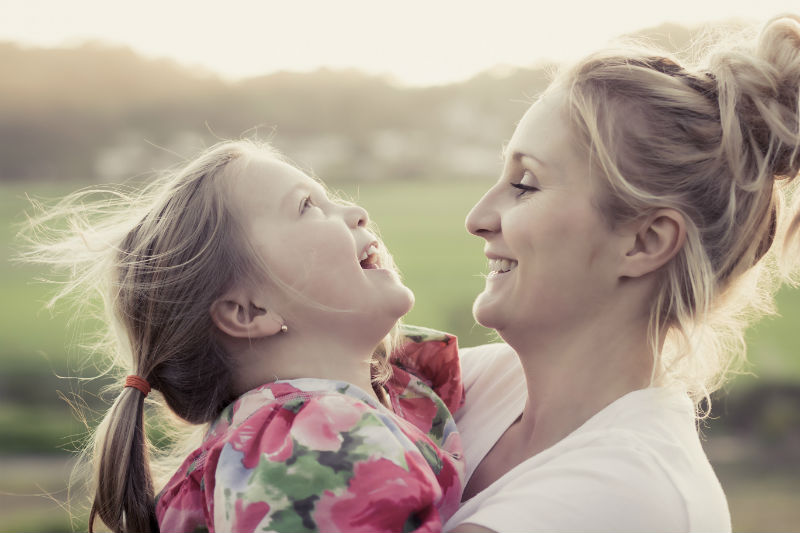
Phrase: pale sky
[418,42]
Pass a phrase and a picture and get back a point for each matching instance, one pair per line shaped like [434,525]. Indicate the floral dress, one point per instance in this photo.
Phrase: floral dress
[322,455]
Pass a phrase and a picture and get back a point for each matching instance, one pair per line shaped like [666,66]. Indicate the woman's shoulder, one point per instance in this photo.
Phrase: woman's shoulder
[636,465]
[599,486]
[490,363]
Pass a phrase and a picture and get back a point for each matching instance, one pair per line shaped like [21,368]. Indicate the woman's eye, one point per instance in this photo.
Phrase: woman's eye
[526,184]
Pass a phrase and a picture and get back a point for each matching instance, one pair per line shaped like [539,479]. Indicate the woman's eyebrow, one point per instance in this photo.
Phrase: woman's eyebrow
[521,156]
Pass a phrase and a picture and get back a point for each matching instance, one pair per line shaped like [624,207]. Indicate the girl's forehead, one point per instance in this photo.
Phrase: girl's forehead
[263,183]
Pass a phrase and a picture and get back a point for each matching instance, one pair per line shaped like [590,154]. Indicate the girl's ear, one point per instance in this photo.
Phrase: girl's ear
[656,240]
[237,316]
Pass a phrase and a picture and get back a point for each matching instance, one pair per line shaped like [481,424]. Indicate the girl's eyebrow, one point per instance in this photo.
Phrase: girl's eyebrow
[292,194]
[291,200]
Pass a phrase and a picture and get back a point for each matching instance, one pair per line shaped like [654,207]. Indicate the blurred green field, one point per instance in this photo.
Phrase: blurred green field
[422,224]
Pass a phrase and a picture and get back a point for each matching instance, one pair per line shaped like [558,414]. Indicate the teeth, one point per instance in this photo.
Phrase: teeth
[502,265]
[368,252]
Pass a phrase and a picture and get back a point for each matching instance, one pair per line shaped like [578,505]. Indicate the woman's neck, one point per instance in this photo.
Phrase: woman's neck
[572,375]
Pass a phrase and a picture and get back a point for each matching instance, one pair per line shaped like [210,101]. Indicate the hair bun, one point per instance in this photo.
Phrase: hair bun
[783,27]
[778,109]
[759,89]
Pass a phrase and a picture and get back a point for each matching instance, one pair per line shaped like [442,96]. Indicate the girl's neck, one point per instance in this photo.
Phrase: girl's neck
[294,355]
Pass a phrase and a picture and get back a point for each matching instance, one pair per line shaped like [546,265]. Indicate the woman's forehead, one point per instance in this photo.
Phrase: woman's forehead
[543,132]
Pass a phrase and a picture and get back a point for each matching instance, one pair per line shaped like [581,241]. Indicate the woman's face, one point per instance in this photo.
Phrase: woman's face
[316,246]
[551,254]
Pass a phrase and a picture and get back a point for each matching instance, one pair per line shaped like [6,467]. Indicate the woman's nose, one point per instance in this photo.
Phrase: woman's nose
[483,219]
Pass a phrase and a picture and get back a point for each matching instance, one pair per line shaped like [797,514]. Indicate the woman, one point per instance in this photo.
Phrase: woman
[630,239]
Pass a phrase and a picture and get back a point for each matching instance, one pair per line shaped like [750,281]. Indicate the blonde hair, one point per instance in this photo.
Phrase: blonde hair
[156,259]
[718,142]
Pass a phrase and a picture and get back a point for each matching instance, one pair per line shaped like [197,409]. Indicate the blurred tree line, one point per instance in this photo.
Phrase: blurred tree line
[101,113]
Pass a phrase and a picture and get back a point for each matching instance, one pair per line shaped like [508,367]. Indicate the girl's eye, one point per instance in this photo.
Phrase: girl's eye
[526,184]
[306,204]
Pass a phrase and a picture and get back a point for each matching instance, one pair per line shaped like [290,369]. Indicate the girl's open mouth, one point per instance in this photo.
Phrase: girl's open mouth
[369,258]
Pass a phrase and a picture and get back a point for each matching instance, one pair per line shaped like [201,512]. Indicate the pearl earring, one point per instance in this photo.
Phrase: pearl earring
[284,328]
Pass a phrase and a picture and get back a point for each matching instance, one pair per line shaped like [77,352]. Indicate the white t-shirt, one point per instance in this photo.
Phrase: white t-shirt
[637,465]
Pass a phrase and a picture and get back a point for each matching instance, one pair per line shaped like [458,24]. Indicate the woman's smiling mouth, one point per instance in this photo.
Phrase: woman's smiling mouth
[500,266]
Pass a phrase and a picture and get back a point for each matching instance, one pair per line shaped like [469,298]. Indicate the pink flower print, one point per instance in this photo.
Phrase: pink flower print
[320,422]
[280,389]
[419,411]
[382,497]
[266,432]
[436,363]
[450,480]
[185,511]
[248,515]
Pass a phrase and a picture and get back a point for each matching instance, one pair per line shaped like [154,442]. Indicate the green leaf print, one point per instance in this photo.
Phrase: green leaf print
[345,458]
[295,404]
[439,422]
[370,438]
[296,519]
[430,455]
[297,479]
[412,524]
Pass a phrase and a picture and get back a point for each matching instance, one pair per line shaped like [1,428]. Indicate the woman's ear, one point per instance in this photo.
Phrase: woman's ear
[656,239]
[237,316]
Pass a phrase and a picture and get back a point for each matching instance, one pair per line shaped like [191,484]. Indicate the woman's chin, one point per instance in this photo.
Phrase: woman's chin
[486,312]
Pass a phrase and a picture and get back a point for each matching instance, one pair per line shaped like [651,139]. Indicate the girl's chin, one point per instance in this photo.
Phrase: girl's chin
[405,301]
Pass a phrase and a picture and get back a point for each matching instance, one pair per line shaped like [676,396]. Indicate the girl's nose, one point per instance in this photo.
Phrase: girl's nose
[356,216]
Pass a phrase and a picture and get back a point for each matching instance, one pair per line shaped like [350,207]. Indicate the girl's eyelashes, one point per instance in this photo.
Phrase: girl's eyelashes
[306,204]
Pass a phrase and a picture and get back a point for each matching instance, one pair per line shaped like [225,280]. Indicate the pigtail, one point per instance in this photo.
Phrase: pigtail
[147,263]
[124,495]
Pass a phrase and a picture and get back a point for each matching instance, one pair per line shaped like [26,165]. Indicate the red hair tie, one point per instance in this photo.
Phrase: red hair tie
[138,383]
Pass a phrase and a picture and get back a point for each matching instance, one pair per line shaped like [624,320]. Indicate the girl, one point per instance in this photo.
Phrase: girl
[632,236]
[253,303]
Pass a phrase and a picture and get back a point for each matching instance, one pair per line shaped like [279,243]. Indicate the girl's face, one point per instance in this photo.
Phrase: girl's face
[551,254]
[318,247]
